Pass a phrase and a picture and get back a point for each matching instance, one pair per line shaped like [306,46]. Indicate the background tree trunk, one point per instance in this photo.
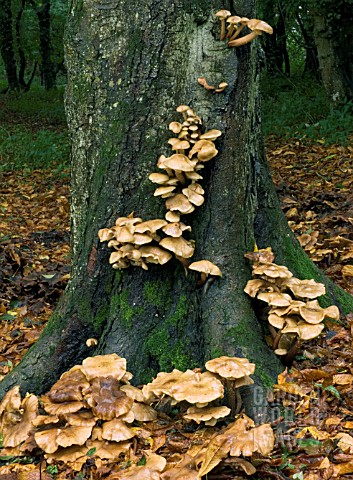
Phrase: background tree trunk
[47,68]
[130,63]
[6,44]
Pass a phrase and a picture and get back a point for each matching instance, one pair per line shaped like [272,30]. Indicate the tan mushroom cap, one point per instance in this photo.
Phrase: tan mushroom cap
[143,412]
[106,399]
[312,312]
[306,288]
[205,266]
[164,191]
[105,234]
[193,197]
[211,135]
[16,429]
[159,178]
[195,387]
[179,203]
[178,245]
[180,145]
[292,309]
[81,419]
[257,285]
[60,408]
[154,254]
[103,366]
[175,229]
[11,401]
[162,383]
[230,367]
[223,13]
[73,435]
[151,226]
[264,255]
[172,217]
[175,127]
[259,25]
[206,414]
[69,388]
[272,270]
[179,163]
[117,431]
[134,393]
[74,456]
[107,450]
[305,331]
[276,299]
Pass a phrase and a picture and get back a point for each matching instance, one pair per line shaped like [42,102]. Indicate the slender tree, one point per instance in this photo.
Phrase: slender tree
[130,63]
[7,44]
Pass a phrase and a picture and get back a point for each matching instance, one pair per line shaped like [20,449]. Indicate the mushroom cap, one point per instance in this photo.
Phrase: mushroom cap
[117,431]
[264,255]
[179,203]
[143,412]
[312,312]
[306,288]
[178,245]
[305,331]
[108,450]
[81,419]
[234,19]
[180,145]
[69,388]
[193,197]
[16,433]
[104,365]
[60,408]
[230,367]
[205,266]
[172,216]
[161,191]
[211,135]
[272,270]
[154,254]
[106,399]
[257,285]
[205,414]
[223,14]
[175,229]
[151,226]
[182,108]
[179,163]
[73,435]
[259,26]
[276,299]
[195,387]
[162,383]
[175,127]
[159,178]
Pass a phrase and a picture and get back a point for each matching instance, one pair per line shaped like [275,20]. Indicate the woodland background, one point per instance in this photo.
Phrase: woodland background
[307,131]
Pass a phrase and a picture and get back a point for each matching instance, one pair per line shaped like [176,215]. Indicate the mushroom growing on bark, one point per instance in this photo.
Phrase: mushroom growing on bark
[258,27]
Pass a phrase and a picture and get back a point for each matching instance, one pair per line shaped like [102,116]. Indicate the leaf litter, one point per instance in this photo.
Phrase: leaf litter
[313,400]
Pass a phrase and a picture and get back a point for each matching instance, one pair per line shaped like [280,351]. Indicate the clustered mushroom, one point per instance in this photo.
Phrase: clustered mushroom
[200,391]
[294,313]
[236,24]
[87,418]
[139,243]
[91,406]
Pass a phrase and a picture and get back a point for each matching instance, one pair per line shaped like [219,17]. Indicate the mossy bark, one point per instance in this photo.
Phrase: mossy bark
[130,64]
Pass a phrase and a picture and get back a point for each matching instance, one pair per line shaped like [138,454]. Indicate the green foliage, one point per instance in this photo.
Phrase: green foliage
[32,130]
[20,148]
[298,107]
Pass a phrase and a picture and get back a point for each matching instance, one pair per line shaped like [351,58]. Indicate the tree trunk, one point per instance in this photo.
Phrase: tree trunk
[334,46]
[311,65]
[47,68]
[130,63]
[6,44]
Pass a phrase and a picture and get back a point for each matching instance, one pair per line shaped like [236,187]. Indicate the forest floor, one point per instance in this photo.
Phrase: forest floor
[314,183]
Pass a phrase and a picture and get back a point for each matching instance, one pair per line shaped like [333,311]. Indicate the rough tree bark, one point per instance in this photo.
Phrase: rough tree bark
[130,63]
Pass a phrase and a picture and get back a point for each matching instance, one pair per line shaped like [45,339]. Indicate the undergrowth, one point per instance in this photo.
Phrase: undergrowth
[298,107]
[33,133]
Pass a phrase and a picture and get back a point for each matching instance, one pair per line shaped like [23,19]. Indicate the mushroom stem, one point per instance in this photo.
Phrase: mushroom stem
[180,176]
[233,36]
[276,340]
[272,331]
[203,278]
[207,284]
[231,397]
[239,401]
[238,42]
[292,352]
[223,29]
